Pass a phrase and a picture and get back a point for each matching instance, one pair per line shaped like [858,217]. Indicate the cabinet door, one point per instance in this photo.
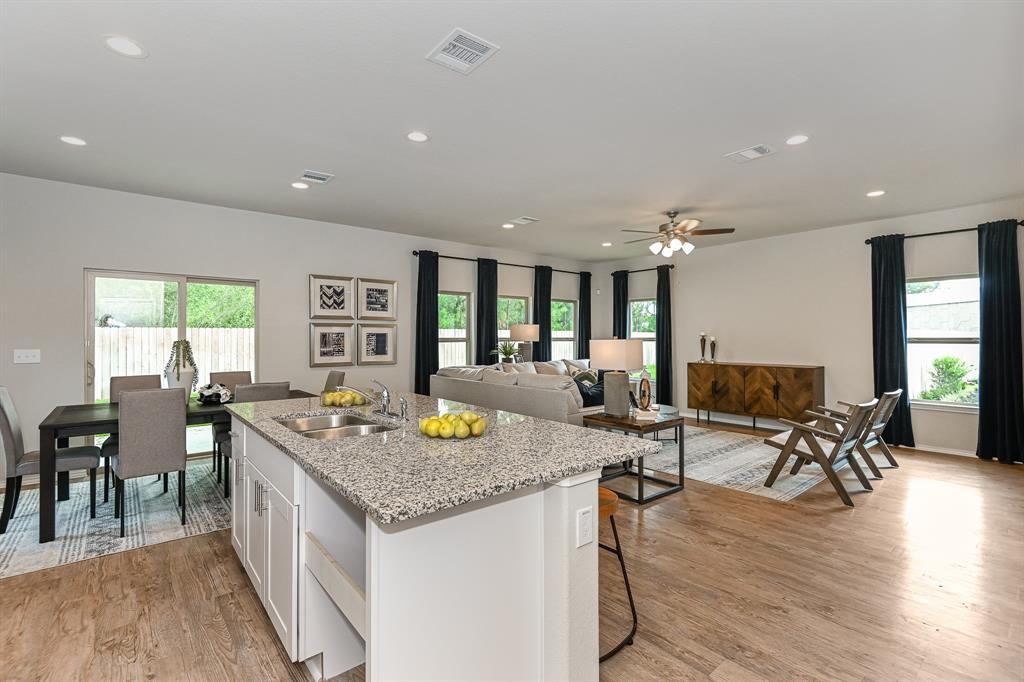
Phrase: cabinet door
[238,495]
[699,380]
[255,545]
[282,579]
[759,395]
[797,391]
[729,388]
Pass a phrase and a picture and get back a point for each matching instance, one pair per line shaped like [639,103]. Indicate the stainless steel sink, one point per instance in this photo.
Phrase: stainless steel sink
[347,431]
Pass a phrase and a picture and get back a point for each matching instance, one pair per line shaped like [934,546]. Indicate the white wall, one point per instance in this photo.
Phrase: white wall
[51,231]
[806,298]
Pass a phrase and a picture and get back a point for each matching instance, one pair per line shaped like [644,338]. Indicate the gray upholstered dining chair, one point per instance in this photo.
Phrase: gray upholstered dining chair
[230,380]
[335,378]
[117,386]
[19,463]
[152,441]
[250,393]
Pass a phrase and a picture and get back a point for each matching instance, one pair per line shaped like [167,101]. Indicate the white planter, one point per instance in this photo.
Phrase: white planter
[180,379]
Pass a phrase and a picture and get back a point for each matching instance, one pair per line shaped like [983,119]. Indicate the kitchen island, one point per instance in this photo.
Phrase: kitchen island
[426,559]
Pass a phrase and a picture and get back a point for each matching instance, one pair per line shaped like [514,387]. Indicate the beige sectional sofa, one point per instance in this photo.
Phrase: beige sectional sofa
[537,389]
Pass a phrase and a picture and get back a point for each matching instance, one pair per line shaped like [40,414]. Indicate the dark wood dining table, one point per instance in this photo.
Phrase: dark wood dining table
[93,419]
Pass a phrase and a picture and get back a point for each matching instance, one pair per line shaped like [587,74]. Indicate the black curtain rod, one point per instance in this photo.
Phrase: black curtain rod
[511,265]
[932,234]
[671,266]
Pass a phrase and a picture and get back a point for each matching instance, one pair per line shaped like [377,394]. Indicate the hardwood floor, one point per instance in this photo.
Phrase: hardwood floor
[921,581]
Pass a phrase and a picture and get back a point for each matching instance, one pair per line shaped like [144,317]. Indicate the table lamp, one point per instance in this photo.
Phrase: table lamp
[525,334]
[618,356]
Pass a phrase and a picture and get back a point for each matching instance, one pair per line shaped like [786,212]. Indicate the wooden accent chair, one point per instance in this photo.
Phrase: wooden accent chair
[231,381]
[841,443]
[119,385]
[607,505]
[873,434]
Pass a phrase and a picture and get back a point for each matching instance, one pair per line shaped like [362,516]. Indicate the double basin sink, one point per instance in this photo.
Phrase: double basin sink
[334,426]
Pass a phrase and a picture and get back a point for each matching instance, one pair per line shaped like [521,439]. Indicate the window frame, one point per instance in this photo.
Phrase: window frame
[526,308]
[645,339]
[575,326]
[942,405]
[468,339]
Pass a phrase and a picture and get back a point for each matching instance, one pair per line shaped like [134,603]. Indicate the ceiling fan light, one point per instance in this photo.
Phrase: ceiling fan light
[655,247]
[667,252]
[676,244]
[688,247]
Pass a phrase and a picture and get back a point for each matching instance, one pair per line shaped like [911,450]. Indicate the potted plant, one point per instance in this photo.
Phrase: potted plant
[180,371]
[506,350]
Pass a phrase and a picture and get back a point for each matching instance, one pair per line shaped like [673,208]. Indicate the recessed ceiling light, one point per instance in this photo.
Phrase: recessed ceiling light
[417,136]
[606,243]
[508,226]
[76,141]
[797,139]
[876,193]
[300,185]
[126,47]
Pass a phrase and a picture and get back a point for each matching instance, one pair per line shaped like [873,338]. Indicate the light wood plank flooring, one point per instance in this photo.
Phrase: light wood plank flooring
[921,581]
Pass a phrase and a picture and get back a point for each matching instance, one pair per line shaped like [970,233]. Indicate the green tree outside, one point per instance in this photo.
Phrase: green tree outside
[949,383]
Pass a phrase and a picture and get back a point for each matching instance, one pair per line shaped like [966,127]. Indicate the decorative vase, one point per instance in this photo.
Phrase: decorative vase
[180,371]
[714,345]
[181,379]
[703,341]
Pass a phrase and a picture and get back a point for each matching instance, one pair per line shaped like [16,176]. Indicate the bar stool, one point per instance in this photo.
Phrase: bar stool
[607,505]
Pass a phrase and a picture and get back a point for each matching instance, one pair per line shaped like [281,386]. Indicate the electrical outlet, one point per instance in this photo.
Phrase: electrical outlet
[584,526]
[27,356]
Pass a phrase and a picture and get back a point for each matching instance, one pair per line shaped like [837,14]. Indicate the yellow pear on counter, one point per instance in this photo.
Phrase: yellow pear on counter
[346,400]
[477,427]
[469,417]
[461,429]
[433,428]
[446,430]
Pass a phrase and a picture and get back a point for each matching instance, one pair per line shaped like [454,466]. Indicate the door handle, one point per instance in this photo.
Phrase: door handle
[90,374]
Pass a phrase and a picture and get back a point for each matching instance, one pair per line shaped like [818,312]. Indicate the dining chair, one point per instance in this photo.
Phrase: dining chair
[118,385]
[19,463]
[335,379]
[230,380]
[152,430]
[250,393]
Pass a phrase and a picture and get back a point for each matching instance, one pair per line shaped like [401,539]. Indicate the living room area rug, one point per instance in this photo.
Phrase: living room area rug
[737,461]
[151,517]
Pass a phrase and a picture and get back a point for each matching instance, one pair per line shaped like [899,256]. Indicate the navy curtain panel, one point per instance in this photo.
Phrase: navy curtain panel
[1000,383]
[426,322]
[583,347]
[620,304]
[663,332]
[542,312]
[486,310]
[889,332]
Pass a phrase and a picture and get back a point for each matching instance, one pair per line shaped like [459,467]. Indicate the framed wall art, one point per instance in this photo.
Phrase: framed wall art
[378,344]
[331,345]
[331,297]
[378,299]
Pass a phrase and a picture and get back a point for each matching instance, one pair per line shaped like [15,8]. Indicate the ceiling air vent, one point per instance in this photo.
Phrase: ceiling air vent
[462,51]
[524,220]
[750,153]
[316,176]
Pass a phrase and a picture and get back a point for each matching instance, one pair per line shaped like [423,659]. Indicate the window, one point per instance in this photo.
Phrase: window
[511,310]
[943,323]
[643,316]
[452,328]
[563,330]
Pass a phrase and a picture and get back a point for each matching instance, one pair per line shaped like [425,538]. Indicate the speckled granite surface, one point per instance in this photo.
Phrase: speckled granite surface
[401,474]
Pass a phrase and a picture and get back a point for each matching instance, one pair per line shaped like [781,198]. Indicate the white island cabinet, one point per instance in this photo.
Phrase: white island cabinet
[424,559]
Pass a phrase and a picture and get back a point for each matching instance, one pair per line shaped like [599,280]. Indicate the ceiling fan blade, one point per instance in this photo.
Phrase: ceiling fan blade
[636,241]
[641,231]
[718,230]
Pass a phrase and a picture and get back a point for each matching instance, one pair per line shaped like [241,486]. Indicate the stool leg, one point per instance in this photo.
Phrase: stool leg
[106,479]
[629,593]
[92,493]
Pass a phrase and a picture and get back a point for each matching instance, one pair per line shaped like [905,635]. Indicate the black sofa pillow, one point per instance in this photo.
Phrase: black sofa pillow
[592,395]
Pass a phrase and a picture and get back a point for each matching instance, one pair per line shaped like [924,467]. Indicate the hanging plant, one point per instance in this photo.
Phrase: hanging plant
[181,357]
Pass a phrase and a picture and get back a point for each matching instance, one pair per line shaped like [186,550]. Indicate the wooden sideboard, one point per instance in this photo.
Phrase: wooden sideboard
[754,390]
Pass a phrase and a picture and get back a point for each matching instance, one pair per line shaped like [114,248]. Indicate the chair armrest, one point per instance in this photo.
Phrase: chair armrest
[818,415]
[836,414]
[846,404]
[810,429]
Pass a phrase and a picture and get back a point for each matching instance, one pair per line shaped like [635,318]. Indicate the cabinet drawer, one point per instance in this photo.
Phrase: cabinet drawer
[277,467]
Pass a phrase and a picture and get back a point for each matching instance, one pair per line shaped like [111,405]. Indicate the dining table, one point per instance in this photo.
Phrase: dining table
[92,419]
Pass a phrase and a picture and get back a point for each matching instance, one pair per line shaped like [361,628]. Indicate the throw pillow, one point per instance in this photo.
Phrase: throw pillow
[578,364]
[555,367]
[586,376]
[496,376]
[593,394]
[520,367]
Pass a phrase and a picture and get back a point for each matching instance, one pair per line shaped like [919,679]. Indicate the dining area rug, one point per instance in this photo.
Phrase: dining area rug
[740,462]
[151,517]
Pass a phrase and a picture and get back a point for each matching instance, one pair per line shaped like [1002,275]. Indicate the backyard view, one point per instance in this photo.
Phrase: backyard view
[943,322]
[452,324]
[643,317]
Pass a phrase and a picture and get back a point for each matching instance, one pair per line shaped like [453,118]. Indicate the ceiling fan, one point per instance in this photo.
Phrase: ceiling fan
[674,235]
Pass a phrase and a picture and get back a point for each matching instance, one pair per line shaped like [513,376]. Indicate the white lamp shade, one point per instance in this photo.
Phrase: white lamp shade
[688,248]
[676,244]
[525,332]
[617,354]
[655,247]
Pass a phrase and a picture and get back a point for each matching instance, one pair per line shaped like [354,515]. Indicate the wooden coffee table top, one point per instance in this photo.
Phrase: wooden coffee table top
[667,418]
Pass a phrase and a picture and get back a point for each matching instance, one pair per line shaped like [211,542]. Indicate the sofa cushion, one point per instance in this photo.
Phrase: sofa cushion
[552,383]
[555,367]
[467,373]
[496,376]
[519,367]
[593,394]
[576,364]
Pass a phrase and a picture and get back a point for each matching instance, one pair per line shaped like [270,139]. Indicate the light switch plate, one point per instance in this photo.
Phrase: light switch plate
[584,526]
[27,356]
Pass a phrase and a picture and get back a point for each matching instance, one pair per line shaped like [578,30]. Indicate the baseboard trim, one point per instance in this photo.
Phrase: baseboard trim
[942,451]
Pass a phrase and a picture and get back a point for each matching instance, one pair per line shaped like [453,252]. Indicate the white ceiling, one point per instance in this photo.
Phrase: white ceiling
[593,116]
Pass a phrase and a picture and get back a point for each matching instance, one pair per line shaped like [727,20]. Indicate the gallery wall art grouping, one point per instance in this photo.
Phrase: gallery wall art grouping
[338,302]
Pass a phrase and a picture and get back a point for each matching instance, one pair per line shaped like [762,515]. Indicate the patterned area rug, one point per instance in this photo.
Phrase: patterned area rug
[741,462]
[151,517]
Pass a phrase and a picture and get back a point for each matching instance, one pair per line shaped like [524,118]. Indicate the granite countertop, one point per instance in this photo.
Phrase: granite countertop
[401,474]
